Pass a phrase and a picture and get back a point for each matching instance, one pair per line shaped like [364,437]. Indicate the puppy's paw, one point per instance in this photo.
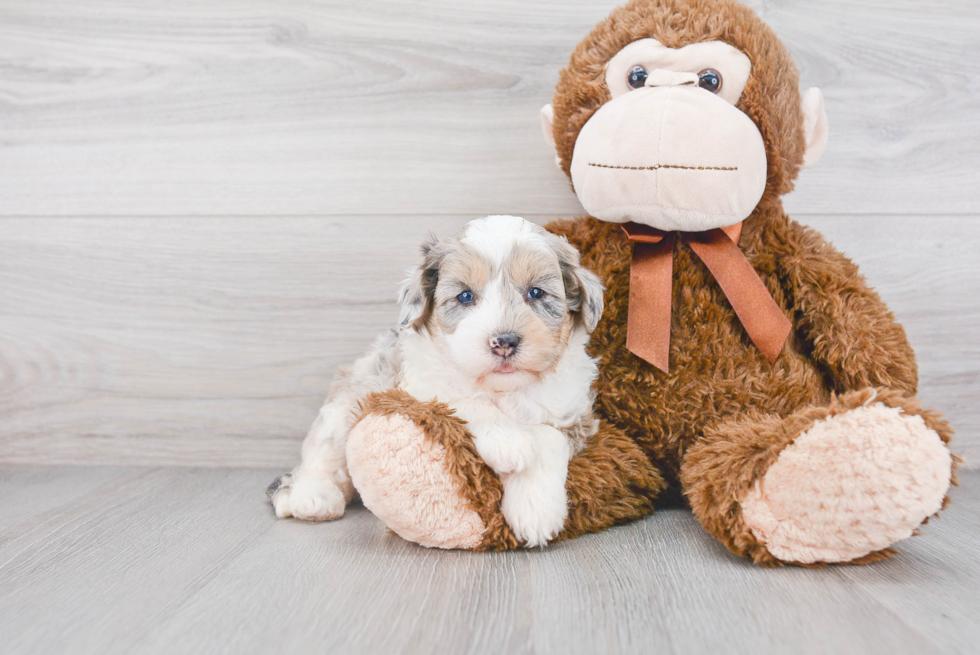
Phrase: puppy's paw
[305,498]
[535,507]
[505,453]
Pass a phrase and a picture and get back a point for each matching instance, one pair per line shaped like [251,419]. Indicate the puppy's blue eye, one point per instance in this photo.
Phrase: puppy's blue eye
[466,297]
[534,293]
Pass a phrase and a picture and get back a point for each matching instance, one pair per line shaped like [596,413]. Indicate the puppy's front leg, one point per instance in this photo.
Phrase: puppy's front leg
[501,442]
[532,462]
[320,487]
[535,503]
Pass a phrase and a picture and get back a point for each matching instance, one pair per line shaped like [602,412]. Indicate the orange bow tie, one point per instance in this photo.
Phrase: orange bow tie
[651,273]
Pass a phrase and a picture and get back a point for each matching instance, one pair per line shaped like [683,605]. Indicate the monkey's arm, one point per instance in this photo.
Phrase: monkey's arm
[849,328]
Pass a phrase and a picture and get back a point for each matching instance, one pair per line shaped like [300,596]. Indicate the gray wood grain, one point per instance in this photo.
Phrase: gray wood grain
[169,339]
[192,560]
[32,493]
[212,341]
[134,550]
[941,572]
[250,107]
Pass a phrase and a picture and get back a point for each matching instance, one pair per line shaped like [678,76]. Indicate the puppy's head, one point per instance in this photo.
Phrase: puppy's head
[501,297]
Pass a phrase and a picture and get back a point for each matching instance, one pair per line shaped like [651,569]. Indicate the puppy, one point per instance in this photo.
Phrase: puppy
[494,323]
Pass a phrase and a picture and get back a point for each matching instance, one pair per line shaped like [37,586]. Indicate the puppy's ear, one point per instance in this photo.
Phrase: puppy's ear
[583,288]
[417,294]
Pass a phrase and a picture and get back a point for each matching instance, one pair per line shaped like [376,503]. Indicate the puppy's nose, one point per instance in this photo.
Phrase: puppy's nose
[505,344]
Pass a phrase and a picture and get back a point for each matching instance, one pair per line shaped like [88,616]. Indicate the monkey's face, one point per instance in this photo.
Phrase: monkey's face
[682,115]
[670,149]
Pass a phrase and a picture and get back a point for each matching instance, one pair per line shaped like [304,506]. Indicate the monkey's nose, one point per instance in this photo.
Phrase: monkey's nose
[504,345]
[664,77]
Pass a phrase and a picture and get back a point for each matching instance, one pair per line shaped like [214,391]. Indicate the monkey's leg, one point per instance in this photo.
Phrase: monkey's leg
[416,468]
[611,481]
[835,483]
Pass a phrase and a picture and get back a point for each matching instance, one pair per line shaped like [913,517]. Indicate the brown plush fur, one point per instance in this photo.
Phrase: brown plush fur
[715,423]
[845,337]
[610,482]
[721,398]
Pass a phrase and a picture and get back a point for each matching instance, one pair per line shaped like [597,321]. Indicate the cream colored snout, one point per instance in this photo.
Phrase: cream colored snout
[670,155]
[663,77]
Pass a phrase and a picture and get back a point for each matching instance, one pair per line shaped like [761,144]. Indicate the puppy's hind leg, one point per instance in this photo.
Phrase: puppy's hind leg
[320,487]
[535,502]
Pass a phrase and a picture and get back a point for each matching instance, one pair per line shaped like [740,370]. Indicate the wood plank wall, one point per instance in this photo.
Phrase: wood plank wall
[206,207]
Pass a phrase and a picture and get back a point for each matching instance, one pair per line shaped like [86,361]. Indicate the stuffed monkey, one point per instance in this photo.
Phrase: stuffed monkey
[744,361]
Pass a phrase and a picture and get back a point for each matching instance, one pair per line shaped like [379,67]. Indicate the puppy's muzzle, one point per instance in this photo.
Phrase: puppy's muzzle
[505,345]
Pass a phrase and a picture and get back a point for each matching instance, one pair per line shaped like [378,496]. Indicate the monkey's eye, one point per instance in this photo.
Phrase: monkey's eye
[637,77]
[534,293]
[710,79]
[465,298]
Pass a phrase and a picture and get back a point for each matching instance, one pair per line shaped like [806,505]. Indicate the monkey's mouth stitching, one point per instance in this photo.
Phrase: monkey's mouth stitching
[653,168]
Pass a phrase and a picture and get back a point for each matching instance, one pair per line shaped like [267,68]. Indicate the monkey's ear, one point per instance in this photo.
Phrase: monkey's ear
[548,127]
[548,124]
[816,129]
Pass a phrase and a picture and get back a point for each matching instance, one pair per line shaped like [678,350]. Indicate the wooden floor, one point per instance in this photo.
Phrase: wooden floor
[181,560]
